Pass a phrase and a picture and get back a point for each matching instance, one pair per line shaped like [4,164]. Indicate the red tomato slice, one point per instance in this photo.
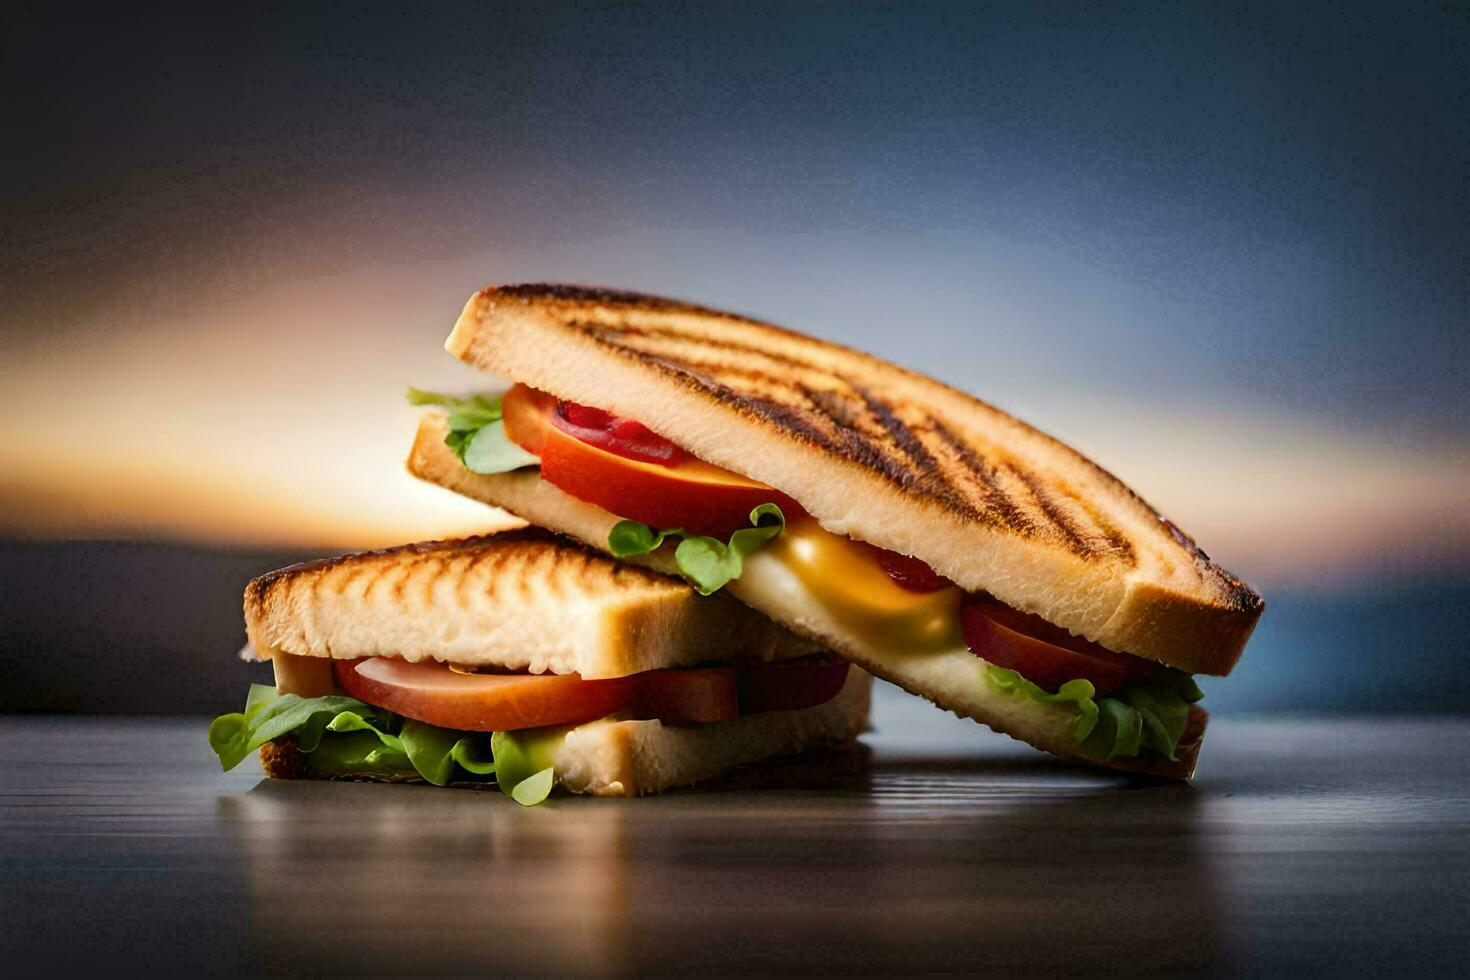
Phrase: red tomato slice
[698,497]
[619,436]
[1040,652]
[527,415]
[909,572]
[689,696]
[789,685]
[430,692]
[691,494]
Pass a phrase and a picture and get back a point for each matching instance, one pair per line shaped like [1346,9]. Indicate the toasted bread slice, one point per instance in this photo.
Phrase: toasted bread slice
[520,600]
[880,454]
[633,758]
[953,679]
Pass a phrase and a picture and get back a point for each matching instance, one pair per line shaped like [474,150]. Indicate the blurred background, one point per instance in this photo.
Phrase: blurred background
[1224,252]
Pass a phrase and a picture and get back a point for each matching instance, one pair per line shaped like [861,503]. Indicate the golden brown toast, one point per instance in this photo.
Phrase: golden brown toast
[521,600]
[883,455]
[633,758]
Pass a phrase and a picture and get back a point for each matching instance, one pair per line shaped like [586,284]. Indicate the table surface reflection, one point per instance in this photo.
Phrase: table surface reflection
[1304,846]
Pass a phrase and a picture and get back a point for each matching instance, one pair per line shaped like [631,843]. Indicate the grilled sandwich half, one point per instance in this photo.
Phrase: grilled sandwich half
[925,535]
[523,659]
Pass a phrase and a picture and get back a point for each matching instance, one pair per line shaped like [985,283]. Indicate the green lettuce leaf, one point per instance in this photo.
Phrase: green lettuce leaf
[632,538]
[380,748]
[464,413]
[489,450]
[708,563]
[343,736]
[359,754]
[1151,713]
[524,762]
[269,715]
[1162,702]
[476,432]
[535,788]
[1079,692]
[1118,733]
[435,752]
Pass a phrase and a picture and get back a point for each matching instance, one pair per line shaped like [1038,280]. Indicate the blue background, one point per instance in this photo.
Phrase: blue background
[1254,209]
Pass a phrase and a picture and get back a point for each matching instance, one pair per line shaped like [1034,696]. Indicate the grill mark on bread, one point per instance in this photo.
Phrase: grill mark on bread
[596,294]
[903,459]
[498,548]
[298,610]
[487,563]
[857,445]
[846,437]
[348,576]
[1064,524]
[829,403]
[401,579]
[710,375]
[842,439]
[555,578]
[428,570]
[611,334]
[793,420]
[257,593]
[570,302]
[999,507]
[1117,542]
[671,350]
[925,473]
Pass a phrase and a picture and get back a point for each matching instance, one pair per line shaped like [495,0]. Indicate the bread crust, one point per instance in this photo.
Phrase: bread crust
[636,758]
[881,454]
[954,681]
[519,600]
[282,759]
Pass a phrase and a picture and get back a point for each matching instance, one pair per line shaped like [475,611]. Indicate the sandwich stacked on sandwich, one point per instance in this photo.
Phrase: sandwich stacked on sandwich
[924,535]
[523,660]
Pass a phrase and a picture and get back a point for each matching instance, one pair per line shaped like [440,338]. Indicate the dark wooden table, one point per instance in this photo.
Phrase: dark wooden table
[1305,846]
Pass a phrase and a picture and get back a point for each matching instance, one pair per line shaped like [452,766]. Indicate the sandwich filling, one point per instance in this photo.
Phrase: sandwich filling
[722,526]
[391,719]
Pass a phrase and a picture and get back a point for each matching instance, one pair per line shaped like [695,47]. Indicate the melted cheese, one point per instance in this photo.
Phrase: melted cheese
[844,578]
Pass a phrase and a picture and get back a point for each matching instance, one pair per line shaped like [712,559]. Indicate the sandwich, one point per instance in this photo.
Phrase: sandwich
[924,535]
[524,661]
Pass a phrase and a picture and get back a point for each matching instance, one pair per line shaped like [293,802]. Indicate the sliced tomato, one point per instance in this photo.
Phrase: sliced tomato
[619,436]
[688,696]
[909,572]
[689,494]
[429,691]
[789,685]
[1042,653]
[527,416]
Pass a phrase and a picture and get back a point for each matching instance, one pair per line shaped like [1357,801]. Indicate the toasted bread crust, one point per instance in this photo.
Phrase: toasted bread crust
[635,758]
[281,759]
[953,681]
[881,454]
[521,600]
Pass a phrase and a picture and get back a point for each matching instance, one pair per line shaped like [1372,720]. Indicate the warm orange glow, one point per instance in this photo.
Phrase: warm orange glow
[273,419]
[65,499]
[278,417]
